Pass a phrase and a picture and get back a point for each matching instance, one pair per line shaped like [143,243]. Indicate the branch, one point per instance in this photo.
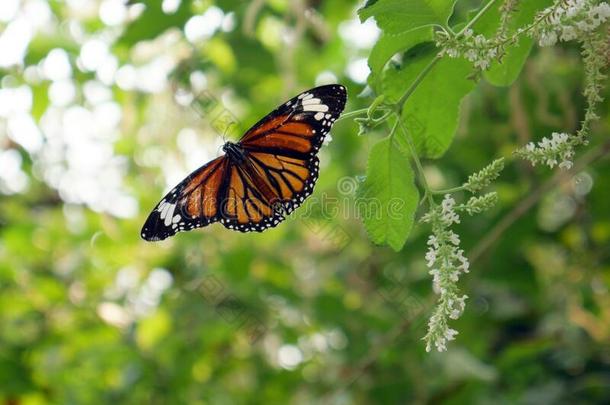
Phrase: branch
[416,83]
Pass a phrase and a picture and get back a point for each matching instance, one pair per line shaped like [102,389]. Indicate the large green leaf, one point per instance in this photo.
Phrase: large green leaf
[390,44]
[388,198]
[505,73]
[431,112]
[396,16]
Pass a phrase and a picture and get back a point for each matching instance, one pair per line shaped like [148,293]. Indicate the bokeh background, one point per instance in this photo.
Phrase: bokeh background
[101,112]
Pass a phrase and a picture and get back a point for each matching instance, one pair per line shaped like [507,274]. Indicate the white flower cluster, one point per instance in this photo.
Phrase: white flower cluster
[476,48]
[550,151]
[446,262]
[567,20]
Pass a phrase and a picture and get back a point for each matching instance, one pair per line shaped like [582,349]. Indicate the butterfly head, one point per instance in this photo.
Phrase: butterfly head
[234,151]
[228,145]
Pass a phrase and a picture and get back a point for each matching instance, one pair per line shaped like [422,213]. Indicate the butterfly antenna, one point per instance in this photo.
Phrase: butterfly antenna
[224,135]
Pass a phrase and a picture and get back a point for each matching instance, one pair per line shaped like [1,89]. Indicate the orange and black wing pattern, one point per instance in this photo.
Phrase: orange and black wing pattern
[276,170]
[281,168]
[193,203]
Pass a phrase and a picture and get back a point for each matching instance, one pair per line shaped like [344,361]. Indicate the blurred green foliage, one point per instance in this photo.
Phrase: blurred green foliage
[310,311]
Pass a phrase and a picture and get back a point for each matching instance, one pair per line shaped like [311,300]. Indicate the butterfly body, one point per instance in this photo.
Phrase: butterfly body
[261,178]
[234,152]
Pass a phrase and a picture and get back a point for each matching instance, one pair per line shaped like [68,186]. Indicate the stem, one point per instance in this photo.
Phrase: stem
[418,165]
[416,82]
[477,17]
[448,190]
[383,117]
[393,130]
[352,114]
[375,104]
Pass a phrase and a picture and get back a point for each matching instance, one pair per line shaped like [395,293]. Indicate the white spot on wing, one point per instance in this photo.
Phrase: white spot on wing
[319,116]
[166,212]
[315,107]
[307,101]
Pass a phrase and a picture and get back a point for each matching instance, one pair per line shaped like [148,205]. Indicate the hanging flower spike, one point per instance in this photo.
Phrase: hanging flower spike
[446,262]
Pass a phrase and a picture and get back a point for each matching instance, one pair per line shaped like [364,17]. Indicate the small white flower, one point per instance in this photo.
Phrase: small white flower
[568,34]
[547,39]
[440,345]
[602,11]
[572,11]
[481,64]
[464,264]
[450,334]
[448,215]
[448,203]
[430,257]
[479,41]
[454,238]
[585,26]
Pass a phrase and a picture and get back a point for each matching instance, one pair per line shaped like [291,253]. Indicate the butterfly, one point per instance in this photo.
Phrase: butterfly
[261,178]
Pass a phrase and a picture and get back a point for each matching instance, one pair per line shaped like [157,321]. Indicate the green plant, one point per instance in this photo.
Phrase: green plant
[427,87]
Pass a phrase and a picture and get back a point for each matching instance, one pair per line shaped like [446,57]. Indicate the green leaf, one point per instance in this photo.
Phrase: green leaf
[505,73]
[431,113]
[396,16]
[390,44]
[388,198]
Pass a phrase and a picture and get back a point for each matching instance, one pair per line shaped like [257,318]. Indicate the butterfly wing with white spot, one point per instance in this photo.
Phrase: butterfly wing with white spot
[191,204]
